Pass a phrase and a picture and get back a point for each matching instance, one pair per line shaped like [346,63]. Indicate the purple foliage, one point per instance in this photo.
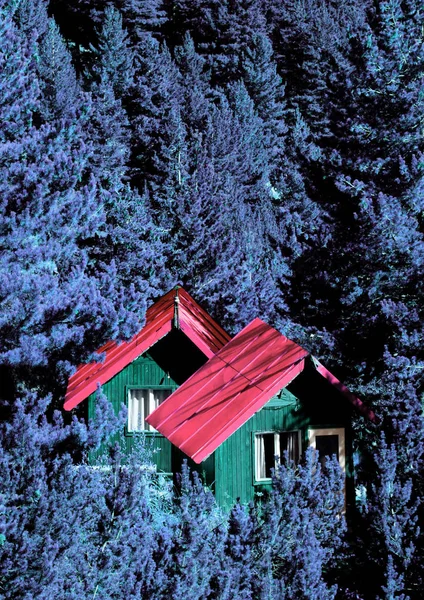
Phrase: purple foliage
[268,156]
[65,263]
[284,546]
[111,530]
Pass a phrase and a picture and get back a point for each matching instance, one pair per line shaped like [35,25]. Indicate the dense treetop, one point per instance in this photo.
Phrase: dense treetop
[269,157]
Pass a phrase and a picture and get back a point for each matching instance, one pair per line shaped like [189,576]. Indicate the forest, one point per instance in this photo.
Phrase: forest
[268,156]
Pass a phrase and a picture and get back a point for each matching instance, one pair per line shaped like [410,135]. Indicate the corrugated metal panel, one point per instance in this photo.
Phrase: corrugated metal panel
[228,389]
[194,321]
[234,384]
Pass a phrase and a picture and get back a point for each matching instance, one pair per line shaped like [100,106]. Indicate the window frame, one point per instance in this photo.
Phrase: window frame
[128,389]
[276,433]
[313,432]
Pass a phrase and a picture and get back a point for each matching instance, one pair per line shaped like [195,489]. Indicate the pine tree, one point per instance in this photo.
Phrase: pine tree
[221,30]
[19,97]
[302,526]
[215,179]
[154,98]
[49,507]
[57,75]
[236,577]
[52,214]
[197,540]
[68,529]
[283,546]
[196,87]
[357,179]
[144,19]
[362,287]
[32,18]
[131,233]
[55,280]
[266,89]
[111,77]
[110,133]
[114,53]
[391,518]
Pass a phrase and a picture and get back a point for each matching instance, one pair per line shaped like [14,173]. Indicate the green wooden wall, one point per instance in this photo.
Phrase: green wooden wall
[309,402]
[234,459]
[167,364]
[315,405]
[146,373]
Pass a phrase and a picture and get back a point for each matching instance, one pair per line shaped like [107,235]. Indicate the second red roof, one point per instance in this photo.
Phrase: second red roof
[224,393]
[231,387]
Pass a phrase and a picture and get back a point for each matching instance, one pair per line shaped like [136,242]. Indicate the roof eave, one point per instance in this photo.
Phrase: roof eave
[354,400]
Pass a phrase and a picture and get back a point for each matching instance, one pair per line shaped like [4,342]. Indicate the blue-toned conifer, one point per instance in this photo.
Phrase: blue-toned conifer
[143,18]
[61,94]
[32,18]
[115,56]
[266,89]
[391,518]
[54,271]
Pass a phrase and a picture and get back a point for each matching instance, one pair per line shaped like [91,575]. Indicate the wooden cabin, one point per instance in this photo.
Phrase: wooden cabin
[228,405]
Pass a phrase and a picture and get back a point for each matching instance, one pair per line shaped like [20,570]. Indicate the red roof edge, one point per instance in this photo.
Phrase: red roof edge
[108,369]
[198,325]
[262,398]
[354,400]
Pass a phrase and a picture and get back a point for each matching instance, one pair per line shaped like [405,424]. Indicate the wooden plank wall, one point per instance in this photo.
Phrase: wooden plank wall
[234,459]
[142,372]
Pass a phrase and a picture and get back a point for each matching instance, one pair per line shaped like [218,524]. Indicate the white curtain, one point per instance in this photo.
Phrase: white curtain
[292,445]
[260,457]
[136,404]
[158,396]
[142,403]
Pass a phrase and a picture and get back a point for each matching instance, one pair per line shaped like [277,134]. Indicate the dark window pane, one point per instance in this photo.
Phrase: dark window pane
[327,445]
[269,453]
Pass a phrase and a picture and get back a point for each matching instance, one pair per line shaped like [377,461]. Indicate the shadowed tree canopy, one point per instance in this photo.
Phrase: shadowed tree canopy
[269,156]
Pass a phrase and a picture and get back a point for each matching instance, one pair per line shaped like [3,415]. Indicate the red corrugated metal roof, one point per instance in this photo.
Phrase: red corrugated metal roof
[195,322]
[228,389]
[234,384]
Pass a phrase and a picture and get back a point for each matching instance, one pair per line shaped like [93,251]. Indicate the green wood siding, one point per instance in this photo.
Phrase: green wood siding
[235,458]
[309,402]
[143,372]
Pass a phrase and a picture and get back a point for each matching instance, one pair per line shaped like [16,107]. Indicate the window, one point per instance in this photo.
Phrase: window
[270,445]
[329,441]
[141,403]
